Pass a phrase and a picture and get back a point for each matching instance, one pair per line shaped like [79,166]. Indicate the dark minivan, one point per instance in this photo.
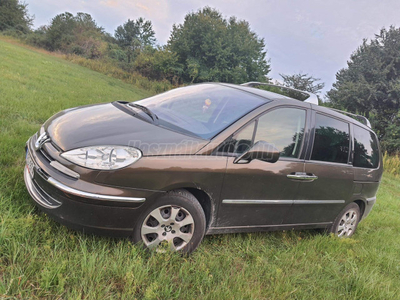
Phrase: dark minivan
[204,159]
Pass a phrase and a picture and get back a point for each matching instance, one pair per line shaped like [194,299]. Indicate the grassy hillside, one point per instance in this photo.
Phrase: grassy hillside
[41,259]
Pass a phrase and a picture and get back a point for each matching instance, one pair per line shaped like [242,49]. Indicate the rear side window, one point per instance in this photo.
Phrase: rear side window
[331,141]
[366,153]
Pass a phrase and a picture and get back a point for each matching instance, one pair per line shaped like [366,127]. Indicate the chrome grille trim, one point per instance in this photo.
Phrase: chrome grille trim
[63,169]
[37,195]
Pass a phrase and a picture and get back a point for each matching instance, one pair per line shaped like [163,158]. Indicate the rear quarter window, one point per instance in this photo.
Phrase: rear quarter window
[366,151]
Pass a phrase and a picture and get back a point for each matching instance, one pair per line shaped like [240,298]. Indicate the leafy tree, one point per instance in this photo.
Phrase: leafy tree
[60,32]
[14,15]
[88,36]
[75,34]
[211,48]
[303,82]
[158,64]
[135,36]
[370,85]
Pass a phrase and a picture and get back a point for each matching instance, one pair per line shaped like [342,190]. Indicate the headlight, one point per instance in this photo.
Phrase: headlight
[103,157]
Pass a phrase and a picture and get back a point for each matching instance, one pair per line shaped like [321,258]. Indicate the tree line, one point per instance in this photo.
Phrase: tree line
[209,47]
[202,48]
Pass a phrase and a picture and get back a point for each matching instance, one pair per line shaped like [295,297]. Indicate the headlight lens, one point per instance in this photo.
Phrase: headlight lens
[103,157]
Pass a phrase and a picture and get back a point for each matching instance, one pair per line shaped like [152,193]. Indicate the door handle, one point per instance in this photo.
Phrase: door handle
[302,176]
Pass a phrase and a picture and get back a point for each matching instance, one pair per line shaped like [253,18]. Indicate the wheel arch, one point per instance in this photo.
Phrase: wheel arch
[361,205]
[206,203]
[203,198]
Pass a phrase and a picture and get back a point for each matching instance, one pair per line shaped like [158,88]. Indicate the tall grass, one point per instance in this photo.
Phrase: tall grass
[110,69]
[391,164]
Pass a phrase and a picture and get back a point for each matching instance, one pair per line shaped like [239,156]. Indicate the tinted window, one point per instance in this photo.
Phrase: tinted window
[366,154]
[331,141]
[284,128]
[204,109]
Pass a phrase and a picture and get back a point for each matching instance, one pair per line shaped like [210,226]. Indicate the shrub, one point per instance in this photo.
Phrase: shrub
[391,164]
[109,68]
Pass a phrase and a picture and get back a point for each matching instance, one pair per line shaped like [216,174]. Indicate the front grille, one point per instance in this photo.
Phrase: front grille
[45,196]
[45,154]
[49,155]
[49,151]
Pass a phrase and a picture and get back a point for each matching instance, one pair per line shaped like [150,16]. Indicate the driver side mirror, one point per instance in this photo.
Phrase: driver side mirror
[262,151]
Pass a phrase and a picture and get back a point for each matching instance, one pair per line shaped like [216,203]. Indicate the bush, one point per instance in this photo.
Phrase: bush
[14,32]
[391,164]
[36,38]
[109,68]
[118,55]
[157,64]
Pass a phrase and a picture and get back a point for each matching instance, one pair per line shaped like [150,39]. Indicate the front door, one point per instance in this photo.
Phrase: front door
[260,193]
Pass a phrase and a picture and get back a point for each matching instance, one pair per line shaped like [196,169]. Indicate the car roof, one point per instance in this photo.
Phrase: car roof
[278,97]
[263,93]
[333,113]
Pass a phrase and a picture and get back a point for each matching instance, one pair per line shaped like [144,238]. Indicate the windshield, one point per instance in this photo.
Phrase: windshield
[204,109]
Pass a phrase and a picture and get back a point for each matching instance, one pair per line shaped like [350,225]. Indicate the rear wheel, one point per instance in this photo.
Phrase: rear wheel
[346,222]
[175,221]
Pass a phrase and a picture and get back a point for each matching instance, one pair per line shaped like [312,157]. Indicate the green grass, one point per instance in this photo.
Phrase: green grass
[40,259]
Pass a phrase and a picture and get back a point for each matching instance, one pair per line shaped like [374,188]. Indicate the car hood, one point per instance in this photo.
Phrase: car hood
[105,124]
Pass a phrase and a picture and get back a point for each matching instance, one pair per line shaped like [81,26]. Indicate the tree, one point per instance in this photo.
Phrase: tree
[135,34]
[370,85]
[59,34]
[157,64]
[75,34]
[211,48]
[14,15]
[303,82]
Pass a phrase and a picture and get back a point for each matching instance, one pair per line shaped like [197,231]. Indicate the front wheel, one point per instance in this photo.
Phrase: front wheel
[175,221]
[346,222]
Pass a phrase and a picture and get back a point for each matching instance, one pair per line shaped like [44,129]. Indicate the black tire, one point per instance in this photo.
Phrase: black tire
[161,223]
[347,221]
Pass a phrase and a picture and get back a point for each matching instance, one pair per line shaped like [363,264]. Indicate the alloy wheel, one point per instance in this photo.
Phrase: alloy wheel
[170,226]
[348,223]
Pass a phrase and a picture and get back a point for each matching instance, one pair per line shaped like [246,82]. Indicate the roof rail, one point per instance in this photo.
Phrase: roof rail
[311,98]
[360,118]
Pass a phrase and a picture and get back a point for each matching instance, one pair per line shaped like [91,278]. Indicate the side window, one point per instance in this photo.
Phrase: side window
[331,141]
[366,153]
[240,142]
[284,128]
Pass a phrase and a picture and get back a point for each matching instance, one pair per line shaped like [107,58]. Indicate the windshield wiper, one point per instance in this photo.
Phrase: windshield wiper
[152,115]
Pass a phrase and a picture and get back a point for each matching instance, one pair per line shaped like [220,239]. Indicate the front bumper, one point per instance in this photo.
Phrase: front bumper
[110,211]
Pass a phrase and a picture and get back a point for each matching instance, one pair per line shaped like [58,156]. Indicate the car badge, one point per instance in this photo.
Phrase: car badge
[43,138]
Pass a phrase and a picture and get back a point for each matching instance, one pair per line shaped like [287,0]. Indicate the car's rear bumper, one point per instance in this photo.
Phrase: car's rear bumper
[114,213]
[368,207]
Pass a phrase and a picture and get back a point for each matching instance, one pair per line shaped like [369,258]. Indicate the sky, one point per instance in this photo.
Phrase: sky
[308,36]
